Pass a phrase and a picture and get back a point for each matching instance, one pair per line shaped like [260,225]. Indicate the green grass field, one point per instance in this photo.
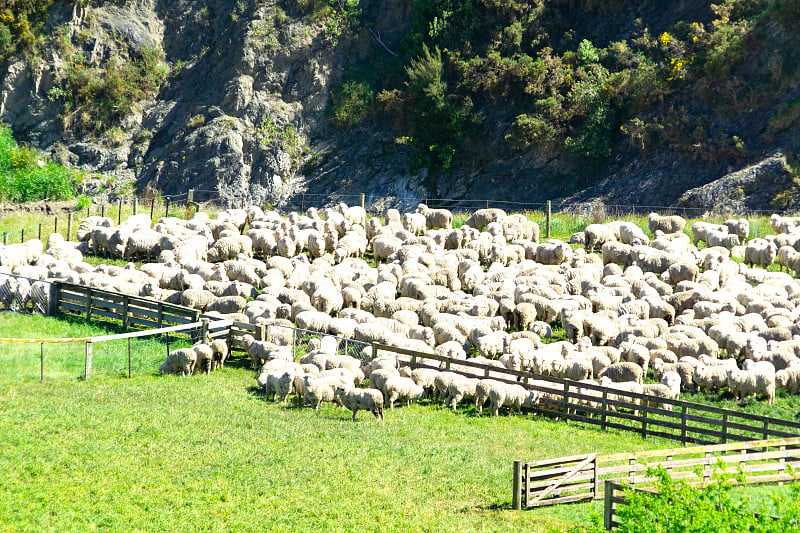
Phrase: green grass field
[67,360]
[207,453]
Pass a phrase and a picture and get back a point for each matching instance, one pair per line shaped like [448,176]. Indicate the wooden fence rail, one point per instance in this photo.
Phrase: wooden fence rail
[583,477]
[131,311]
[686,422]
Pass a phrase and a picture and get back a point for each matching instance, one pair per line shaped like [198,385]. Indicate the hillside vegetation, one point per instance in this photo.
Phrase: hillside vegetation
[264,100]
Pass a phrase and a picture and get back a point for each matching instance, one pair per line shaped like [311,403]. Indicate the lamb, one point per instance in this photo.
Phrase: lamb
[760,252]
[666,224]
[360,399]
[743,383]
[181,361]
[625,371]
[514,396]
[402,388]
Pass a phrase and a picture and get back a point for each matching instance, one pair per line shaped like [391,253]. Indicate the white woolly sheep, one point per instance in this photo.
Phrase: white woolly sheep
[360,399]
[744,383]
[513,396]
[666,224]
[402,388]
[619,372]
[181,361]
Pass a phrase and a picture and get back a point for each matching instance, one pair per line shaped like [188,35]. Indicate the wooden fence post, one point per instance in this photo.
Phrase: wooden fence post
[129,357]
[40,231]
[517,486]
[189,202]
[135,203]
[5,238]
[152,206]
[41,361]
[119,211]
[125,304]
[608,502]
[724,437]
[204,330]
[683,425]
[55,294]
[362,200]
[103,210]
[547,221]
[166,206]
[261,332]
[69,225]
[55,225]
[22,235]
[604,409]
[87,370]
[294,343]
[644,421]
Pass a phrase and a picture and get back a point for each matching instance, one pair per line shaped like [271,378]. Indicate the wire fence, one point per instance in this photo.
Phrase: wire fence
[121,355]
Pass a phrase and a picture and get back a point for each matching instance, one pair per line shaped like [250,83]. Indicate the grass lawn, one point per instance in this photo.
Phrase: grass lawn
[207,453]
[163,453]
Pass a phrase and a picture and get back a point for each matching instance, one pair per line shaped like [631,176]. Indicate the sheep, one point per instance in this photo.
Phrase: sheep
[789,379]
[459,388]
[617,253]
[711,377]
[360,399]
[684,370]
[740,228]
[760,252]
[219,349]
[279,384]
[436,218]
[179,361]
[575,369]
[623,387]
[318,389]
[227,305]
[397,387]
[625,371]
[743,383]
[666,224]
[597,235]
[514,396]
[483,217]
[230,247]
[668,389]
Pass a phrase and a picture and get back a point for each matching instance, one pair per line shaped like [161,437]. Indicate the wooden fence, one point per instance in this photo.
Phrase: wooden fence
[583,477]
[686,422]
[130,311]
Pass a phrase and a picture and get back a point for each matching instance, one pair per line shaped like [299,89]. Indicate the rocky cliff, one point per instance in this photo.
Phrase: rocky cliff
[234,100]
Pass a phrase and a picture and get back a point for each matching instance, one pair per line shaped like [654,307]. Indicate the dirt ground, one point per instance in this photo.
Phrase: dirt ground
[45,207]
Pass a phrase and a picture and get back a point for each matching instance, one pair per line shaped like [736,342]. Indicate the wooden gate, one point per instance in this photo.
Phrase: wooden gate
[555,481]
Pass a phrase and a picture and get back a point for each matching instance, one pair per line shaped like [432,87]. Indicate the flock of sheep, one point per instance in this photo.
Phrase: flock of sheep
[488,289]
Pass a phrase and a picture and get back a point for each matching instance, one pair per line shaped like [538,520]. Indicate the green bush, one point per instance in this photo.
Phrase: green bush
[351,102]
[24,177]
[95,98]
[678,507]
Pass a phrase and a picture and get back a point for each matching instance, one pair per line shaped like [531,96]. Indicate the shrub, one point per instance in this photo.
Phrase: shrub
[350,103]
[24,177]
[679,507]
